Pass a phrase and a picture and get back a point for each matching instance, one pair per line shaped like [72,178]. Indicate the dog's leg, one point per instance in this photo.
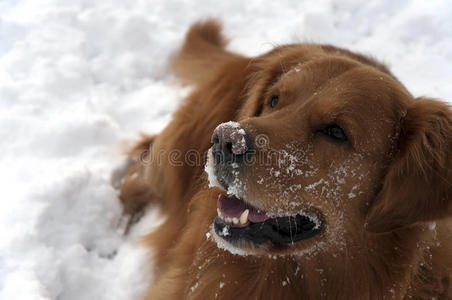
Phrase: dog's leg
[135,190]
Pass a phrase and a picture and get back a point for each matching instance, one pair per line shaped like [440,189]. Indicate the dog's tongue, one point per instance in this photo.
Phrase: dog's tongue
[233,207]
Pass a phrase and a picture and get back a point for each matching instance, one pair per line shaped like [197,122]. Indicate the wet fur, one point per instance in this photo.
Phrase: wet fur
[393,255]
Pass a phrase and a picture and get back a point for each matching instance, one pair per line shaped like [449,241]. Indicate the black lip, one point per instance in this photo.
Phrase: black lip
[224,175]
[279,231]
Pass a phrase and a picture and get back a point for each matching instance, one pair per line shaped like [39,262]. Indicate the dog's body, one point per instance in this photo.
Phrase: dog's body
[382,234]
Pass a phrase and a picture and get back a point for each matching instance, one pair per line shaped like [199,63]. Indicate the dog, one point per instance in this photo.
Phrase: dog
[324,179]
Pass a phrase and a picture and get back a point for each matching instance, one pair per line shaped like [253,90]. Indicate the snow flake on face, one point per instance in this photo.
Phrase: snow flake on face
[314,185]
[194,287]
[285,165]
[209,169]
[333,185]
[222,244]
[294,70]
[274,172]
[237,186]
[297,270]
[295,165]
[290,158]
[294,188]
[230,124]
[225,231]
[355,191]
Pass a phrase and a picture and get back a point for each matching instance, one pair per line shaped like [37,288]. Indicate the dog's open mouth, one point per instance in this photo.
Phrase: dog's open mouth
[238,220]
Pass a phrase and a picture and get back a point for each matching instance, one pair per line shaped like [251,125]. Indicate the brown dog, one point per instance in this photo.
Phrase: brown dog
[332,181]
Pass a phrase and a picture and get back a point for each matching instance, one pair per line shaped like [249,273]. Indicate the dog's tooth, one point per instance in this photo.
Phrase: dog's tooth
[244,216]
[235,220]
[229,220]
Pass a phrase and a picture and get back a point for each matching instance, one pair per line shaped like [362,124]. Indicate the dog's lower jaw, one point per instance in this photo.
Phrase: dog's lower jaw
[226,246]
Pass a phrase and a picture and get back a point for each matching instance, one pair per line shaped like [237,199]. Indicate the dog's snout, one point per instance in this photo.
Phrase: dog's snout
[230,143]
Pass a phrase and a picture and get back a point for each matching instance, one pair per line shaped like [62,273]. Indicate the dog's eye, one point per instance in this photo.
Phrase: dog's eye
[273,100]
[335,133]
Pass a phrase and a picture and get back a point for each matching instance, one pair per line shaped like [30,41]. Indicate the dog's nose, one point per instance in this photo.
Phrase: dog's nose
[230,143]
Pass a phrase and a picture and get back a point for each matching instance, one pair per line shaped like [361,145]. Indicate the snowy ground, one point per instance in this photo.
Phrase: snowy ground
[78,79]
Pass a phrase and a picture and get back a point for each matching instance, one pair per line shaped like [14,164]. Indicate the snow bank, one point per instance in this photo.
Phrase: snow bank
[80,78]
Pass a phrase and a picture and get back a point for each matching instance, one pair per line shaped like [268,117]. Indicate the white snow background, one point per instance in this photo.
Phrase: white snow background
[80,78]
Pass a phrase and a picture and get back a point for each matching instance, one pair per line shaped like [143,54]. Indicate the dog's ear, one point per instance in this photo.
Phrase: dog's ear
[418,184]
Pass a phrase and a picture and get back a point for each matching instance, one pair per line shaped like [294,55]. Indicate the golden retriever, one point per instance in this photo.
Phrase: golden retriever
[326,179]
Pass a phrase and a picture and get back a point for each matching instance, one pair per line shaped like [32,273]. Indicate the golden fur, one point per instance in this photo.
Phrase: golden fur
[386,196]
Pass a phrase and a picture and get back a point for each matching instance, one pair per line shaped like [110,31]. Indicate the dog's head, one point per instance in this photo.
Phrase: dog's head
[328,147]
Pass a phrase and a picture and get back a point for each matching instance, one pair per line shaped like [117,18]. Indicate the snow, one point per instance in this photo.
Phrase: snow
[79,79]
[230,124]
[228,247]
[237,136]
[208,168]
